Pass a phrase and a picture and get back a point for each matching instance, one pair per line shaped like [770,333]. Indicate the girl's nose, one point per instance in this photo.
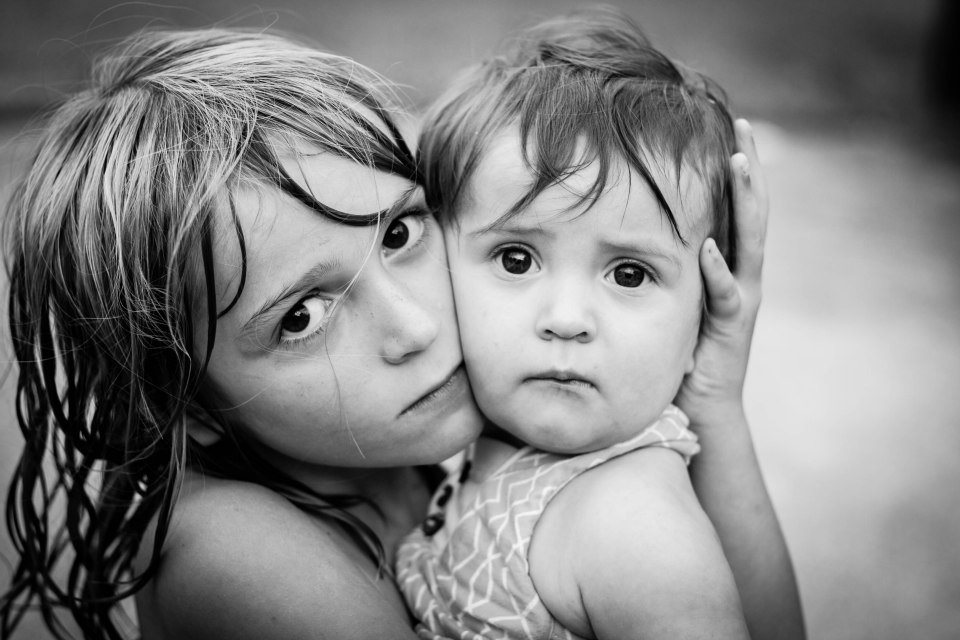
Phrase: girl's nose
[409,326]
[566,315]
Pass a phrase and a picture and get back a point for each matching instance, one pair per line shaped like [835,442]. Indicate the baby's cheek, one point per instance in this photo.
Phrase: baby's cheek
[483,353]
[473,338]
[483,383]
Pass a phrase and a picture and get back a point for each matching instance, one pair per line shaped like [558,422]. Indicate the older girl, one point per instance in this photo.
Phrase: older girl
[238,355]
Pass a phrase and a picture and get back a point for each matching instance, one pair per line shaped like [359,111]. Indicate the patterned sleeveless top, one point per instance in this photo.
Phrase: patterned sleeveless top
[464,573]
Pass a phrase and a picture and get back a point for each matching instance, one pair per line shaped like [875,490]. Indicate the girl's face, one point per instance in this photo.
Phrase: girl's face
[342,350]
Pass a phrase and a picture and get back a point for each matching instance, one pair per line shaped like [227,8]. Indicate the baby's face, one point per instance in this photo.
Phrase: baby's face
[577,327]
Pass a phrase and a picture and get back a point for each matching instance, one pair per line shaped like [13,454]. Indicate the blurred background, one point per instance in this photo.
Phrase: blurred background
[853,388]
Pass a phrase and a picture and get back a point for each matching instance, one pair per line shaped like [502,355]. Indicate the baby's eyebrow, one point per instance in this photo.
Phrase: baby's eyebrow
[641,247]
[511,229]
[610,245]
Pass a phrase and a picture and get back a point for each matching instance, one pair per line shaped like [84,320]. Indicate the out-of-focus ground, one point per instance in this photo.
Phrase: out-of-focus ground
[854,386]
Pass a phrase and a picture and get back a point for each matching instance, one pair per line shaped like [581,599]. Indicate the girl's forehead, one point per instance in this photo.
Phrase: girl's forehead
[341,183]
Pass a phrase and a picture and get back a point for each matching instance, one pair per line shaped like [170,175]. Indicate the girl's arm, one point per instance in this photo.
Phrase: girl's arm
[726,474]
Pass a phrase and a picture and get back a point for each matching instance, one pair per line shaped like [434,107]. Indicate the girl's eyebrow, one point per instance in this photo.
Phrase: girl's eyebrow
[393,211]
[251,327]
[291,188]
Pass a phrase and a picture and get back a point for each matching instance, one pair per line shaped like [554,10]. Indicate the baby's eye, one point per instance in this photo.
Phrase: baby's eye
[629,275]
[404,230]
[306,318]
[516,260]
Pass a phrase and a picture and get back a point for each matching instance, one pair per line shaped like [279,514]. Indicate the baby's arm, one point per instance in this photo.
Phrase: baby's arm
[626,551]
[726,474]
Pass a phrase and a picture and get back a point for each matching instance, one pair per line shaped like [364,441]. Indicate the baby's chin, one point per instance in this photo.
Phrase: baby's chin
[563,437]
[562,417]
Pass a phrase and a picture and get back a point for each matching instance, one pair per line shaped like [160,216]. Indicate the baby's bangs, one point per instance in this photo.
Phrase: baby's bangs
[685,127]
[679,125]
[570,121]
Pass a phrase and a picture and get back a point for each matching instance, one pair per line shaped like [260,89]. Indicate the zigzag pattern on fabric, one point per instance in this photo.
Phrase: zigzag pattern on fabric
[470,580]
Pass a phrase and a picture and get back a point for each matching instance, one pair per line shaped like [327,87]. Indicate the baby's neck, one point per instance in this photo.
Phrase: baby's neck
[493,448]
[493,432]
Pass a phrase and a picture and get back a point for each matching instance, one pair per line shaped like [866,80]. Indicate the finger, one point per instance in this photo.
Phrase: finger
[749,220]
[747,144]
[723,294]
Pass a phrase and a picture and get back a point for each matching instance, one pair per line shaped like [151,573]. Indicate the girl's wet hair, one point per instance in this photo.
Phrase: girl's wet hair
[584,88]
[109,250]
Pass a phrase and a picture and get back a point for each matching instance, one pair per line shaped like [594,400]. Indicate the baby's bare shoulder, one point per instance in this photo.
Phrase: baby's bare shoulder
[641,550]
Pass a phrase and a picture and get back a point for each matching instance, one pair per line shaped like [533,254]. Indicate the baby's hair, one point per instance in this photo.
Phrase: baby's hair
[582,88]
[109,250]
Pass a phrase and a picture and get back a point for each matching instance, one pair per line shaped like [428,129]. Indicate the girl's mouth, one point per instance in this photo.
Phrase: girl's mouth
[442,390]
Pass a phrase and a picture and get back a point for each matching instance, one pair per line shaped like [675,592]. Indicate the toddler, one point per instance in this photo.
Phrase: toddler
[577,178]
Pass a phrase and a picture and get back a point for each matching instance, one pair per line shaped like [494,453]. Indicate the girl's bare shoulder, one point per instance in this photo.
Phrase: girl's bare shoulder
[240,561]
[213,507]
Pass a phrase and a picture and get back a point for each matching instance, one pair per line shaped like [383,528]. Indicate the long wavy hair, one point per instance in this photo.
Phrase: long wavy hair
[109,251]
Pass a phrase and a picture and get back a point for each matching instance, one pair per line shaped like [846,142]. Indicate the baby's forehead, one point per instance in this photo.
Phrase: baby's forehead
[505,168]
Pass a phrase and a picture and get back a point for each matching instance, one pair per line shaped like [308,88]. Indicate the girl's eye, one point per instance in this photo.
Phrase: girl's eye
[516,260]
[305,318]
[404,230]
[629,275]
